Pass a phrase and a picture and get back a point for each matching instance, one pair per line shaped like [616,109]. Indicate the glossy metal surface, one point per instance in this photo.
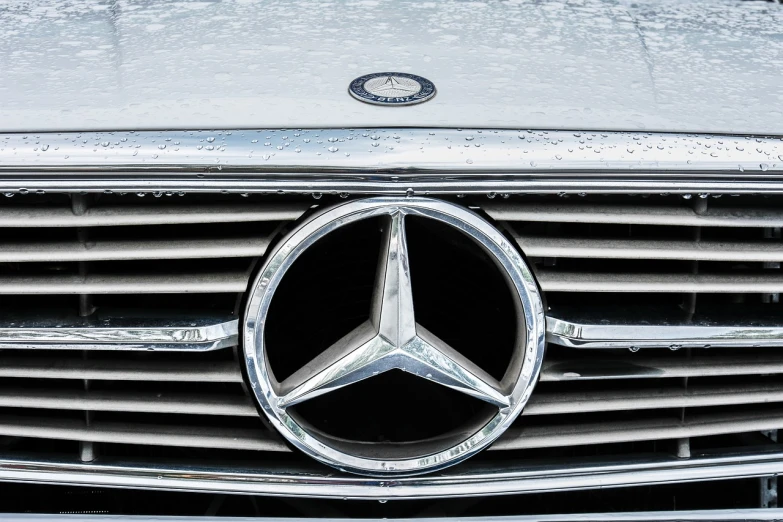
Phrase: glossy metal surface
[683,216]
[599,367]
[390,161]
[722,515]
[133,215]
[505,477]
[392,339]
[577,329]
[138,283]
[118,332]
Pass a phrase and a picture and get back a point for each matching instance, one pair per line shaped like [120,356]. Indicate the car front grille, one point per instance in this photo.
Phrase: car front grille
[119,327]
[119,322]
[663,319]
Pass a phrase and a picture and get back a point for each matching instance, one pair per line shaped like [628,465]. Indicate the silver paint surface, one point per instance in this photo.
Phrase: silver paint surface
[568,64]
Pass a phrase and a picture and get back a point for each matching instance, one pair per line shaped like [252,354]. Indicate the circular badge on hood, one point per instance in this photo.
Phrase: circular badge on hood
[392,88]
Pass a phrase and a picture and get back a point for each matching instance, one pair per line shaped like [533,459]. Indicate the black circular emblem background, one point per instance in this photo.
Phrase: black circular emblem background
[358,91]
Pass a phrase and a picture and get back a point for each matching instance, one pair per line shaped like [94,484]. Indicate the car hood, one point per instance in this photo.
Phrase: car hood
[578,64]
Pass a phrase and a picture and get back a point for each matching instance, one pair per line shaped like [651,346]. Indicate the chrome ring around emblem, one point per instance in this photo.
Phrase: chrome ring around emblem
[392,339]
[392,89]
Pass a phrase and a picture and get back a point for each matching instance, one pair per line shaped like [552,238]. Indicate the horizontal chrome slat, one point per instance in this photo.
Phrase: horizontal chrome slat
[654,249]
[695,425]
[148,215]
[191,404]
[554,281]
[125,284]
[635,215]
[133,250]
[647,399]
[119,370]
[576,434]
[611,329]
[727,515]
[108,332]
[260,439]
[642,367]
[469,480]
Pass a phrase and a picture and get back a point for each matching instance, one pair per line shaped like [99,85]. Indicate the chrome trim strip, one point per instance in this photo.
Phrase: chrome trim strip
[721,515]
[204,334]
[390,161]
[586,331]
[471,480]
[117,332]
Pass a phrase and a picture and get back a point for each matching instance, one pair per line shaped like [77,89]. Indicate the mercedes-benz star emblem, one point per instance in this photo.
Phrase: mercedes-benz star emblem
[392,339]
[392,88]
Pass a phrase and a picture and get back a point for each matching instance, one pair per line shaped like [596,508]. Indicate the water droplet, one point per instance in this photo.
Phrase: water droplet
[332,140]
[686,196]
[162,146]
[558,156]
[469,161]
[409,192]
[634,349]
[210,139]
[468,138]
[764,167]
[105,144]
[332,149]
[44,147]
[317,195]
[343,195]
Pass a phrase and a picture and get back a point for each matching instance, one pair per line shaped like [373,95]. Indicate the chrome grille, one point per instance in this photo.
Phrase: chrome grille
[118,326]
[663,319]
[118,336]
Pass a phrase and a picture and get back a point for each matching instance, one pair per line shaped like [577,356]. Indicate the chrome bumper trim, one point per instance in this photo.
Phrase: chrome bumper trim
[584,331]
[471,480]
[390,161]
[117,332]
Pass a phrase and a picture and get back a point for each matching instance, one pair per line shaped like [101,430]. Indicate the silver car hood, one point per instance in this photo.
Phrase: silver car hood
[577,64]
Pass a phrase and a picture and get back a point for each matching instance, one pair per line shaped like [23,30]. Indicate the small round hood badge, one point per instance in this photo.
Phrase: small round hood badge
[392,88]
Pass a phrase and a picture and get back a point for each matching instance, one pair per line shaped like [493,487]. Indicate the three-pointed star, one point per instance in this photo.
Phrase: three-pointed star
[390,340]
[392,84]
